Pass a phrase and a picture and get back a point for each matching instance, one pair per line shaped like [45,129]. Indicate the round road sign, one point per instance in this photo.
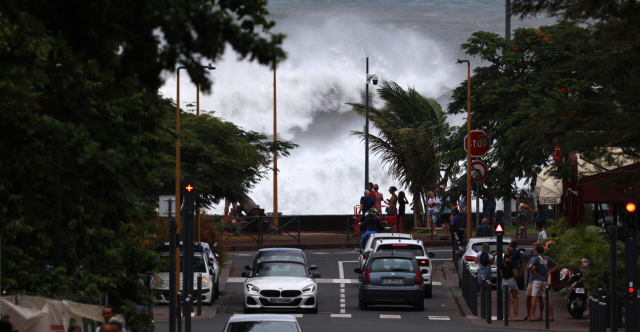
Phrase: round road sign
[479,171]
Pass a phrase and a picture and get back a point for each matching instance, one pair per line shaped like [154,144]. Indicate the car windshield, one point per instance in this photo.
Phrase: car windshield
[477,247]
[198,263]
[263,327]
[416,250]
[280,256]
[280,269]
[392,265]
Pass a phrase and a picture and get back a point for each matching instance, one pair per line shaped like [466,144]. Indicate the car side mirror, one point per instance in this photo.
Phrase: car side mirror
[357,270]
[357,249]
[365,254]
[313,267]
[211,272]
[431,255]
[424,271]
[315,275]
[248,267]
[458,252]
[245,274]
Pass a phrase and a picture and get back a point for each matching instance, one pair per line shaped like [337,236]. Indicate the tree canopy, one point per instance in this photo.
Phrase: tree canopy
[87,137]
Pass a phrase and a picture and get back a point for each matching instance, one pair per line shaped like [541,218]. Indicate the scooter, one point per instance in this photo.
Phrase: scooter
[577,300]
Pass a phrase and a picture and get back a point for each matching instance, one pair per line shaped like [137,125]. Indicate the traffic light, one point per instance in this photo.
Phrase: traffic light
[189,193]
[631,218]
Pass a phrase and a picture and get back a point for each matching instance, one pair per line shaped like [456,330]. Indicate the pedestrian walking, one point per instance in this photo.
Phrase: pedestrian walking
[541,266]
[457,224]
[509,270]
[434,210]
[366,203]
[522,216]
[402,201]
[488,205]
[484,259]
[484,230]
[542,233]
[392,202]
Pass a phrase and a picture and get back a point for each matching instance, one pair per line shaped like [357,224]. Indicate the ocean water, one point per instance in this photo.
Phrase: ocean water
[414,43]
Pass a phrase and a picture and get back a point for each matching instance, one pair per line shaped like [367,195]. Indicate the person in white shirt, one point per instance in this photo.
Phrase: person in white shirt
[434,210]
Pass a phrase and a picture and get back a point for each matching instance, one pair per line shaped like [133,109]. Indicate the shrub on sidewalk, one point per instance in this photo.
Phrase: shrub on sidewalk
[587,242]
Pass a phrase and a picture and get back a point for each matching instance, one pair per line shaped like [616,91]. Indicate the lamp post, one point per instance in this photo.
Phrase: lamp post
[275,153]
[374,79]
[209,67]
[469,149]
[177,188]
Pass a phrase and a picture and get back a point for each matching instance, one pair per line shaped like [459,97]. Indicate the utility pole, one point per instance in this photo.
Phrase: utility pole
[507,35]
[177,187]
[469,203]
[275,153]
[366,131]
[198,208]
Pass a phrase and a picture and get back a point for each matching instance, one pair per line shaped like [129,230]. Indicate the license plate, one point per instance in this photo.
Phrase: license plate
[579,290]
[392,281]
[278,300]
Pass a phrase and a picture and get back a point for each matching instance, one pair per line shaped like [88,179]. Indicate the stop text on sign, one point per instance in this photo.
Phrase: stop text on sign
[479,143]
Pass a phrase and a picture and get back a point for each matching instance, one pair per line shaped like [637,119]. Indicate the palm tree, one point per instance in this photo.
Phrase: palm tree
[413,131]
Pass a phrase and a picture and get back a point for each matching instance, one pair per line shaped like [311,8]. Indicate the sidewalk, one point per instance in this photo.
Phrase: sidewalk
[562,320]
[315,240]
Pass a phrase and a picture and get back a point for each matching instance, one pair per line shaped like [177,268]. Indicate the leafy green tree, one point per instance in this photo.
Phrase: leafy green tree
[145,38]
[412,141]
[518,97]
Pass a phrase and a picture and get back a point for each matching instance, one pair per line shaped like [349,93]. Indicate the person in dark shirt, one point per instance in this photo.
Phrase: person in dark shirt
[457,224]
[366,203]
[516,254]
[484,230]
[508,270]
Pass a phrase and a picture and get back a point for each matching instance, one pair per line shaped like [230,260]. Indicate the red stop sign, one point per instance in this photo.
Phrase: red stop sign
[479,143]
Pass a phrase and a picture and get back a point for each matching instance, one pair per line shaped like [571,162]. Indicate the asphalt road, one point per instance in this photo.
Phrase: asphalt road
[338,305]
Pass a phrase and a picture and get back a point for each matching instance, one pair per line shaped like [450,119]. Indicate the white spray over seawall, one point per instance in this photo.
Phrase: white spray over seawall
[326,69]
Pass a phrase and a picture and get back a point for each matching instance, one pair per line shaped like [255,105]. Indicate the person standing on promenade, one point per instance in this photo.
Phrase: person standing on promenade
[378,197]
[402,201]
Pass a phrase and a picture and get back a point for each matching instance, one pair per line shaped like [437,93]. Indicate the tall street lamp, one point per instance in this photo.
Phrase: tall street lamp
[469,149]
[370,78]
[209,67]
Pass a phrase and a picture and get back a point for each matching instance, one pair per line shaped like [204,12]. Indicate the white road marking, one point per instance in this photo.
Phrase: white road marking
[342,285]
[439,318]
[494,318]
[436,283]
[390,316]
[319,253]
[342,300]
[341,267]
[342,290]
[342,305]
[340,315]
[342,296]
[342,311]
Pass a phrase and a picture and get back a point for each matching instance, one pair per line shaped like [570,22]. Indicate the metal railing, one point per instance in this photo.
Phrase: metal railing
[264,228]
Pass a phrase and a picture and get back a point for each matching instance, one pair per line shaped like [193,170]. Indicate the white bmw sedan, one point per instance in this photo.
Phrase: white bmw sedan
[280,285]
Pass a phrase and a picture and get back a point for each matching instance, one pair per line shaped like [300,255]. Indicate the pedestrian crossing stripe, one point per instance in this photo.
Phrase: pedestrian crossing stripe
[390,316]
[439,318]
[340,315]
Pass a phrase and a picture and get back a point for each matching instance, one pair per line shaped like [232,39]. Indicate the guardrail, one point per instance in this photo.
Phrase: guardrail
[264,227]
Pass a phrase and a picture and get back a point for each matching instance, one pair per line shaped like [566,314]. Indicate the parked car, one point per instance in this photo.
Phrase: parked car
[373,240]
[202,264]
[262,323]
[416,248]
[280,279]
[391,278]
[475,245]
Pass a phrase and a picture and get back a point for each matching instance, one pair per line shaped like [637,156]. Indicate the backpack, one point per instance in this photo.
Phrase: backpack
[484,259]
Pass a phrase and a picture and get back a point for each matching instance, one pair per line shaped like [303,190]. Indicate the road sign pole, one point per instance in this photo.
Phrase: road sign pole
[631,262]
[499,281]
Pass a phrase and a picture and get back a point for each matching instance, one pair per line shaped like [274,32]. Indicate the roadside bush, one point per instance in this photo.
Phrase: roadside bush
[587,242]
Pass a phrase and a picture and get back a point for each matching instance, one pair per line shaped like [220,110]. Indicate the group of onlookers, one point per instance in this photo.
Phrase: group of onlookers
[396,204]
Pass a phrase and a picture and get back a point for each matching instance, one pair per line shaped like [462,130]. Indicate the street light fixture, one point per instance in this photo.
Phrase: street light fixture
[468,144]
[209,67]
[374,79]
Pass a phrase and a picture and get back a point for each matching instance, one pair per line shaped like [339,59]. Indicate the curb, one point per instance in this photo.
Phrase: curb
[225,272]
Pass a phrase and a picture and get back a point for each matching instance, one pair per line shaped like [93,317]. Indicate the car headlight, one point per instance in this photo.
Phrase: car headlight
[252,289]
[309,289]
[205,281]
[158,282]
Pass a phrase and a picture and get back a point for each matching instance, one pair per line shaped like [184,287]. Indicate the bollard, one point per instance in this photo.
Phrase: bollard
[474,294]
[179,311]
[483,299]
[506,305]
[595,307]
[465,285]
[199,294]
[488,301]
[546,307]
[602,320]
